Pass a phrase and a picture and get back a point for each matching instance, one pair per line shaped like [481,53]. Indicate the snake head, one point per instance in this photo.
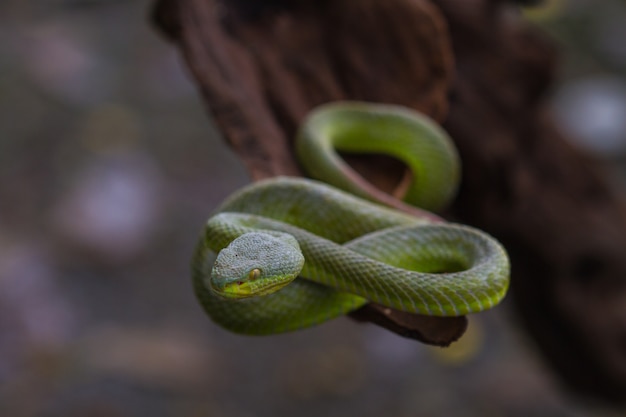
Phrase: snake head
[255,264]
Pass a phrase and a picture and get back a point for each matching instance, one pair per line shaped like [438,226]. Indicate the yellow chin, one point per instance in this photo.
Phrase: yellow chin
[246,289]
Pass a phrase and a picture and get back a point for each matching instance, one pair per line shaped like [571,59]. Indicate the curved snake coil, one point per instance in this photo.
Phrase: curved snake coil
[294,252]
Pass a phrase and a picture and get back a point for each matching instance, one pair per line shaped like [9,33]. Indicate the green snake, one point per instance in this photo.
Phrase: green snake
[294,252]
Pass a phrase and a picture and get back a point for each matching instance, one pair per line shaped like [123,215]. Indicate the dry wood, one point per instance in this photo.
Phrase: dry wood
[475,67]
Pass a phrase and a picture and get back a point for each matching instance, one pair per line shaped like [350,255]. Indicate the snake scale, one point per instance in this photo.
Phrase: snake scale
[287,253]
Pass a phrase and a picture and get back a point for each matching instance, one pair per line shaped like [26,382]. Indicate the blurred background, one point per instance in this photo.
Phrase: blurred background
[108,168]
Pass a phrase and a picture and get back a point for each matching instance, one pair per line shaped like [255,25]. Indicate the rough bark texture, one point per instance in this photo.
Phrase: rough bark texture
[476,68]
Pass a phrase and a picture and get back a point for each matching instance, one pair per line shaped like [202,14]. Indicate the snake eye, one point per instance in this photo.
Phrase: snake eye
[254,274]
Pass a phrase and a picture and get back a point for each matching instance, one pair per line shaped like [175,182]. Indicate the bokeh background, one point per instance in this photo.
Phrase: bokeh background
[109,166]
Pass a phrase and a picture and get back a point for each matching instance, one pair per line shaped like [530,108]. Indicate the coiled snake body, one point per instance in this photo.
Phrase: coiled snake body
[345,250]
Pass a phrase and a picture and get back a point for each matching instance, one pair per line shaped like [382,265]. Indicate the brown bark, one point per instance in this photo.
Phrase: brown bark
[483,74]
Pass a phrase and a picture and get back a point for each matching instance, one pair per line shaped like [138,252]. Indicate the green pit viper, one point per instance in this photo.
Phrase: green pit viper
[294,252]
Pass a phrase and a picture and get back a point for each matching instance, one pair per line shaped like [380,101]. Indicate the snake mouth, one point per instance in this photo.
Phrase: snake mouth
[247,289]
